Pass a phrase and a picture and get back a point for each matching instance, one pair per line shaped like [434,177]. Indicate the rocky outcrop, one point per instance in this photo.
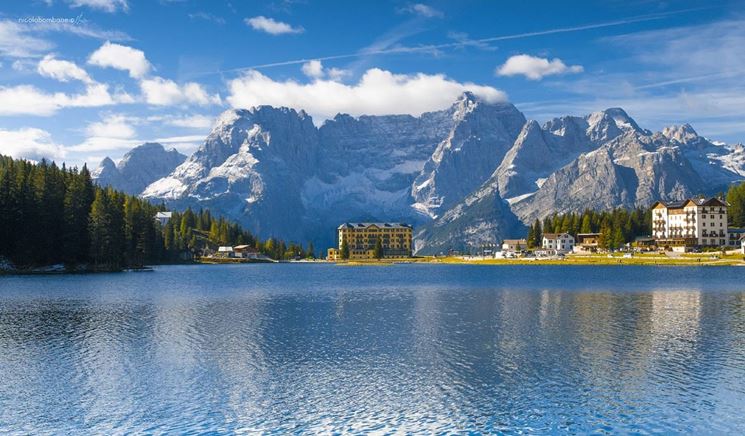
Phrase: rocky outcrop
[140,167]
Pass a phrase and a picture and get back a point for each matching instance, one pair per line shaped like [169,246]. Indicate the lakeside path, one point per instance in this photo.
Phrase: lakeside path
[699,259]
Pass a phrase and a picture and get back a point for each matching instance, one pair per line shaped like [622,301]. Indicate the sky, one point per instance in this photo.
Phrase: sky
[84,79]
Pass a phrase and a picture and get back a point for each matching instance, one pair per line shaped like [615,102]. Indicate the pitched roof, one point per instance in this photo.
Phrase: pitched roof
[554,235]
[697,201]
[379,225]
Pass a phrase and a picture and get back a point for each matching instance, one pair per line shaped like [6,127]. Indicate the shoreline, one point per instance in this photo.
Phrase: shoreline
[570,260]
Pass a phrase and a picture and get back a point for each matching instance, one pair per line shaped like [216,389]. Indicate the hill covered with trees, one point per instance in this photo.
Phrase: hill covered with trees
[56,215]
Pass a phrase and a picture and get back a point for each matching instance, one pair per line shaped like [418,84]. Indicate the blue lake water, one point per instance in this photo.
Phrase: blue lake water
[421,348]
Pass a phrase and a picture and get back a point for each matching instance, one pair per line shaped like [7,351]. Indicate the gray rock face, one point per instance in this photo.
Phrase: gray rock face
[468,175]
[483,217]
[632,170]
[250,168]
[140,167]
[538,152]
[481,136]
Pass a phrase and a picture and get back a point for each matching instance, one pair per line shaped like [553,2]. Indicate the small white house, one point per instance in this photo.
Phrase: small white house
[742,245]
[559,242]
[163,217]
[225,251]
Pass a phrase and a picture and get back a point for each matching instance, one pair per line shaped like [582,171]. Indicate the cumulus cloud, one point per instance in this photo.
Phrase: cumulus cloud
[271,26]
[30,143]
[378,92]
[112,126]
[63,71]
[121,57]
[101,5]
[315,70]
[423,10]
[535,68]
[29,100]
[163,92]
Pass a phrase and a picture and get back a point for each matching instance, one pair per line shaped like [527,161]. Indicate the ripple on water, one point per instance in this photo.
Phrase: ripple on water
[291,348]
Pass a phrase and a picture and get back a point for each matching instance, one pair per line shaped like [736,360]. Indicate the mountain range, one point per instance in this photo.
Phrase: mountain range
[471,174]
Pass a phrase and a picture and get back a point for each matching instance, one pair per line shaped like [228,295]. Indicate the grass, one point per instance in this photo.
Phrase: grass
[689,259]
[603,259]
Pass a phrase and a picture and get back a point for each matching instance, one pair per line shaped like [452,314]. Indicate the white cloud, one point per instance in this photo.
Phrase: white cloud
[423,10]
[315,70]
[378,92]
[191,122]
[30,143]
[163,92]
[113,126]
[535,68]
[24,40]
[15,41]
[62,70]
[121,57]
[271,26]
[102,5]
[29,100]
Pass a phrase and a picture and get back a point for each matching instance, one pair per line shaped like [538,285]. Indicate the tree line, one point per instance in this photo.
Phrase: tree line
[620,226]
[51,215]
[616,227]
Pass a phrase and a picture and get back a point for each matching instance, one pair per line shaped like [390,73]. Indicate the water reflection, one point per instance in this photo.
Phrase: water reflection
[318,348]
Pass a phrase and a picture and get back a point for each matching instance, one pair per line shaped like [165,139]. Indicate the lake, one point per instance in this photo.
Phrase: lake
[324,348]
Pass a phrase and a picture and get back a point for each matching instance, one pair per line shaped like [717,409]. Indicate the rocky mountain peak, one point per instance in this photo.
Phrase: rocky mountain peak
[138,168]
[681,133]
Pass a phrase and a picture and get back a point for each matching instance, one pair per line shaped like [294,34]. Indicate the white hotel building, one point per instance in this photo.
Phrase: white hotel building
[692,222]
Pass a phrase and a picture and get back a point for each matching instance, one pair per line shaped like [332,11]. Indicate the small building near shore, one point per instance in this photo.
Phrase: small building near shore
[587,243]
[225,251]
[245,252]
[742,245]
[514,245]
[558,242]
[644,243]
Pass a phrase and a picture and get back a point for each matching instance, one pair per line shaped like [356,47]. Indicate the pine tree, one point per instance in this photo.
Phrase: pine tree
[537,234]
[736,200]
[344,249]
[378,250]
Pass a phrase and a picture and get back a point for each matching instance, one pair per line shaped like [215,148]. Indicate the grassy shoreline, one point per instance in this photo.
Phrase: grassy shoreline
[701,259]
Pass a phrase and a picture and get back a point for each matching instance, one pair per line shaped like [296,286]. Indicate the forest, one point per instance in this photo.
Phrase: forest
[57,215]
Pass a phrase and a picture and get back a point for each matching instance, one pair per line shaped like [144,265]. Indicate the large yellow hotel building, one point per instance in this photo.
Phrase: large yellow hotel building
[361,239]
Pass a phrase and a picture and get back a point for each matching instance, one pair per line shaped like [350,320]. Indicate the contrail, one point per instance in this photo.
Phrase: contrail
[421,48]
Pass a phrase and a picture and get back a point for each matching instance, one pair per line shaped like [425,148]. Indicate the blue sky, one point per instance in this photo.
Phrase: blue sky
[84,79]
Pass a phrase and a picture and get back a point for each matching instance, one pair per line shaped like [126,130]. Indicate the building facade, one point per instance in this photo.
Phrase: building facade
[514,245]
[692,222]
[558,242]
[362,238]
[587,243]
